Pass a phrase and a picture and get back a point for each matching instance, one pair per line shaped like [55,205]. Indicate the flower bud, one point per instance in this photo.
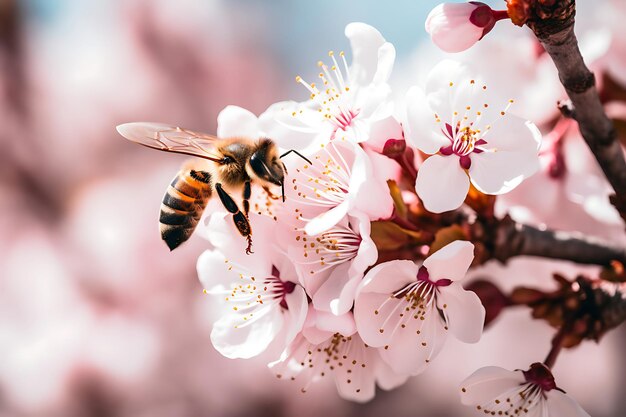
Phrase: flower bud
[454,27]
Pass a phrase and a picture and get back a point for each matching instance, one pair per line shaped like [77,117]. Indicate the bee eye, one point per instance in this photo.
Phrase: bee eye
[227,160]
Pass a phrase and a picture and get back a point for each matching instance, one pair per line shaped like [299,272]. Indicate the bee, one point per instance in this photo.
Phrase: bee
[229,165]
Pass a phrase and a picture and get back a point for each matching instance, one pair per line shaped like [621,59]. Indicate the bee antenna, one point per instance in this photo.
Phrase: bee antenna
[297,153]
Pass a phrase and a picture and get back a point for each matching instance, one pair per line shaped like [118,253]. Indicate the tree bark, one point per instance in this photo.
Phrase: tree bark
[553,24]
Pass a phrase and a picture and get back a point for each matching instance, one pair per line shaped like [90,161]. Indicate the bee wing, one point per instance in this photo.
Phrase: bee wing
[169,138]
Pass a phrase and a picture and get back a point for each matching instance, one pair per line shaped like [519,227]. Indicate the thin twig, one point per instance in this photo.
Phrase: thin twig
[514,239]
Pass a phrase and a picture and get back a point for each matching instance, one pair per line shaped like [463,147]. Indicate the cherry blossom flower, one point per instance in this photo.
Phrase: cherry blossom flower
[469,138]
[340,180]
[346,101]
[408,309]
[260,292]
[331,265]
[455,27]
[355,367]
[533,393]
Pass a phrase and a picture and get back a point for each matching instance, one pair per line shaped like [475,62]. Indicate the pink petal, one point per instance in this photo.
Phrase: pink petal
[389,277]
[336,295]
[235,121]
[450,28]
[360,384]
[464,312]
[450,262]
[441,183]
[411,348]
[387,378]
[383,130]
[562,405]
[376,311]
[486,384]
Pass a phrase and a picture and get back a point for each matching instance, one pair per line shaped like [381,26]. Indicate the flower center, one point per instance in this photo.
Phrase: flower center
[336,246]
[278,289]
[344,357]
[463,142]
[540,375]
[334,98]
[325,183]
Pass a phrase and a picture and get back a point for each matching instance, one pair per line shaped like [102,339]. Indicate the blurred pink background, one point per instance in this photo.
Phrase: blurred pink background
[97,317]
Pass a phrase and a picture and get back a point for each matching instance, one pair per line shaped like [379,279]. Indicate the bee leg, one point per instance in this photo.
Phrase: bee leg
[247,192]
[241,220]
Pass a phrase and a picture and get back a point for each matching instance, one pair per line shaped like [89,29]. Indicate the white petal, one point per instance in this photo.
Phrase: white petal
[450,262]
[512,133]
[421,128]
[211,270]
[297,132]
[386,59]
[501,171]
[327,220]
[297,308]
[464,311]
[441,183]
[562,405]
[369,191]
[235,121]
[488,383]
[442,87]
[365,42]
[234,338]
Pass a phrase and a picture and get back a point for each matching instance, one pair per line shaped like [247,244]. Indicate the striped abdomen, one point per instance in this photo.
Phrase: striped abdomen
[183,204]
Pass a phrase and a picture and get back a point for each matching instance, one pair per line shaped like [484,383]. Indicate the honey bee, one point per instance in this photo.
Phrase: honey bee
[230,165]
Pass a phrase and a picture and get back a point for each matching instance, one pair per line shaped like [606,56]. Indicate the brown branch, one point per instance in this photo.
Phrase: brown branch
[514,239]
[552,21]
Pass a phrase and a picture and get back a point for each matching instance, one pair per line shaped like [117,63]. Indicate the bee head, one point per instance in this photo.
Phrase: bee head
[266,164]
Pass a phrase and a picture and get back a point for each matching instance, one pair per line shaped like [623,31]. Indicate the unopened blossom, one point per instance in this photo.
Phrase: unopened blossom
[469,138]
[340,180]
[454,27]
[345,102]
[332,264]
[408,310]
[259,293]
[355,367]
[533,393]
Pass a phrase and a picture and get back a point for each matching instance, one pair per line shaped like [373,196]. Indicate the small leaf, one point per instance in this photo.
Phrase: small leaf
[447,235]
[398,201]
[481,203]
[389,236]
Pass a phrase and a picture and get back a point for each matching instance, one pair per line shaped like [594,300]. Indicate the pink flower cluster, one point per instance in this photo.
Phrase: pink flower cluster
[315,288]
